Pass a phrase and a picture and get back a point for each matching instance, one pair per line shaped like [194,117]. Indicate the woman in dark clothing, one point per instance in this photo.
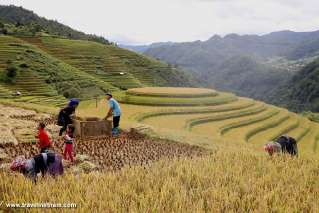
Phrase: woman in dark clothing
[283,144]
[64,118]
[46,163]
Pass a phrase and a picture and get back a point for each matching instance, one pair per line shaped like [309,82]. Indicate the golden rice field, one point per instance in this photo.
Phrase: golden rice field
[240,120]
[235,175]
[226,181]
[172,91]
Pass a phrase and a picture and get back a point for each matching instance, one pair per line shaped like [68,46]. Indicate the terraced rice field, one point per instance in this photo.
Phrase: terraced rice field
[49,69]
[31,79]
[215,115]
[221,128]
[172,92]
[117,67]
[180,99]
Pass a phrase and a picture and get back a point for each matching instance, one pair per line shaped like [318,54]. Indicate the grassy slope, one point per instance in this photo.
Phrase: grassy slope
[106,62]
[45,78]
[49,68]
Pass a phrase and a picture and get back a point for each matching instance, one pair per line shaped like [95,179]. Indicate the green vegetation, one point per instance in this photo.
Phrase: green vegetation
[19,21]
[121,68]
[301,92]
[47,62]
[43,76]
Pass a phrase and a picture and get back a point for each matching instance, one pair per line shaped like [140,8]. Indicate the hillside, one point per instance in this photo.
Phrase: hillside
[23,21]
[248,65]
[301,92]
[49,62]
[48,68]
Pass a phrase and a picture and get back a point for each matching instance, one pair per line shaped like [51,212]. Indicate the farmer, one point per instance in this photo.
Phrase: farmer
[46,163]
[283,144]
[44,141]
[114,111]
[66,114]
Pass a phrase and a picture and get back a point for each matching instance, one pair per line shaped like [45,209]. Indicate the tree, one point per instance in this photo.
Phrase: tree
[11,72]
[18,24]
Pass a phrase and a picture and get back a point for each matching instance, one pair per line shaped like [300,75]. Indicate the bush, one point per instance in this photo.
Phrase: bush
[11,72]
[3,31]
[48,81]
[71,93]
[24,65]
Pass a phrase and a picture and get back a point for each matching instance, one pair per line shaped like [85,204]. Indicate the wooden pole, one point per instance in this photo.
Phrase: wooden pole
[96,102]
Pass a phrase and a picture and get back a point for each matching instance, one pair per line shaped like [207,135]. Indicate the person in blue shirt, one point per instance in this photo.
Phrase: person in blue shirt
[115,111]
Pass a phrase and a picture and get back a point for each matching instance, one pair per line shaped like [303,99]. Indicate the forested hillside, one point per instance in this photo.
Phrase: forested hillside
[24,21]
[301,92]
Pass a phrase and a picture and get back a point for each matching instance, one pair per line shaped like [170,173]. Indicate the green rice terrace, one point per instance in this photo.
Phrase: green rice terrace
[197,113]
[47,70]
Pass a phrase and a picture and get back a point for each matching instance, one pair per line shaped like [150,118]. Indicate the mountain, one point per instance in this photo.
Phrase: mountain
[47,68]
[144,48]
[248,65]
[135,48]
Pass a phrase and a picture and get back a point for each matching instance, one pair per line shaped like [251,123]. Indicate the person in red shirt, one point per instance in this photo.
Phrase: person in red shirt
[44,141]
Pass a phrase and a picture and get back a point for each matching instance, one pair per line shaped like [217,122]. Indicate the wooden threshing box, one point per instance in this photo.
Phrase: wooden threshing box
[92,127]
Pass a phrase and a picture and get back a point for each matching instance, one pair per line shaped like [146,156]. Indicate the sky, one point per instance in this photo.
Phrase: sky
[147,21]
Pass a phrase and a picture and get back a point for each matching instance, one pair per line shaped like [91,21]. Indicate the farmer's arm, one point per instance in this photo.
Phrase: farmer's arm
[73,115]
[109,114]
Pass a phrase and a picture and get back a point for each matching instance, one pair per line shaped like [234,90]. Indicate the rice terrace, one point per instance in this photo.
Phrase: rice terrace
[172,141]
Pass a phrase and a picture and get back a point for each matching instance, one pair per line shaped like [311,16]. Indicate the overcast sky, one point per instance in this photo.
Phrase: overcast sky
[146,21]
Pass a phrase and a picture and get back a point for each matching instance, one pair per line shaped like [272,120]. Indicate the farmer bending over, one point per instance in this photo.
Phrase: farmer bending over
[65,115]
[46,163]
[114,111]
[283,144]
